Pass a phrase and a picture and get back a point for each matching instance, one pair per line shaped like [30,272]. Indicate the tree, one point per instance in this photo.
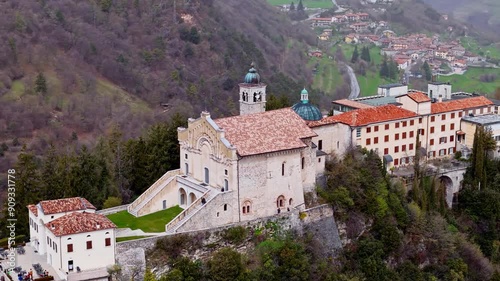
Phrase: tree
[300,6]
[292,6]
[40,84]
[427,71]
[355,55]
[225,265]
[365,54]
[112,202]
[482,146]
[53,175]
[27,189]
[384,69]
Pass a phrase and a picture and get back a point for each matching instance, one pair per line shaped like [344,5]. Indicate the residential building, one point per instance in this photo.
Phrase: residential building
[468,126]
[73,237]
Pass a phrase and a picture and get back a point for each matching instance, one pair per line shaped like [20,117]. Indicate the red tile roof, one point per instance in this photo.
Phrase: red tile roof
[460,104]
[351,103]
[33,209]
[265,132]
[365,116]
[65,205]
[419,97]
[78,223]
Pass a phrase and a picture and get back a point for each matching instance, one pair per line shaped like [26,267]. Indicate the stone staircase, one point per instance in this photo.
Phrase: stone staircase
[190,211]
[151,192]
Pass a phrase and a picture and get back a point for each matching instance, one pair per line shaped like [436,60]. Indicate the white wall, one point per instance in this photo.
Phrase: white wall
[393,91]
[335,138]
[98,257]
[262,182]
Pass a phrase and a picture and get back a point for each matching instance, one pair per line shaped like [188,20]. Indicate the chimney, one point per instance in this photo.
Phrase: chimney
[440,99]
[98,226]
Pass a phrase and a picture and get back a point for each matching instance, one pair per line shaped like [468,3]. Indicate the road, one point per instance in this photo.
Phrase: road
[339,9]
[354,83]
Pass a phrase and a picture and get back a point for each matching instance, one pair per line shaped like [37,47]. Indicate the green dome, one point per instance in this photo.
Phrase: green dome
[307,111]
[252,76]
[304,92]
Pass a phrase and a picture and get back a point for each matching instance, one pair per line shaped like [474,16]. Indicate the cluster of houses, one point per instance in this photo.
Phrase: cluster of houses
[407,49]
[348,22]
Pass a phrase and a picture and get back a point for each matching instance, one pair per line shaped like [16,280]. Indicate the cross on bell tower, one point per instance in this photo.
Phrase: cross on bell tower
[252,93]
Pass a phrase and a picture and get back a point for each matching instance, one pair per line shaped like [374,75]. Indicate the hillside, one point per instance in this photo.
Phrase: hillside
[109,63]
[483,14]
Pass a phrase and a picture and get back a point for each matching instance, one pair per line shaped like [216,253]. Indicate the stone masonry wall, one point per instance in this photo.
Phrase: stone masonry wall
[318,220]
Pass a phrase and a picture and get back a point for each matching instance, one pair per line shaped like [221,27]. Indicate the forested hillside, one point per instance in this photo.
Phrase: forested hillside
[69,70]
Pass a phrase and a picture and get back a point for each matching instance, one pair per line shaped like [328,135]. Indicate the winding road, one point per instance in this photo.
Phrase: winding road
[354,82]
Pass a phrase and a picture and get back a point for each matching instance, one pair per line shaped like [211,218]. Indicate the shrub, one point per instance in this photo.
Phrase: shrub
[236,234]
[18,239]
[112,202]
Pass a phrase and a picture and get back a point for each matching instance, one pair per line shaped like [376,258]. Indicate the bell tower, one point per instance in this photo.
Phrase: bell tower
[252,93]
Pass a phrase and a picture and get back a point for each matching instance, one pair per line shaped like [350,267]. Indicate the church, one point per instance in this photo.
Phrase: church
[256,164]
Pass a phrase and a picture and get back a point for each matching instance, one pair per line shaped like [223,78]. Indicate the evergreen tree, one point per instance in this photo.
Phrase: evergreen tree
[427,71]
[365,54]
[89,178]
[355,55]
[53,176]
[393,70]
[292,6]
[40,84]
[135,166]
[27,189]
[300,6]
[482,146]
[384,69]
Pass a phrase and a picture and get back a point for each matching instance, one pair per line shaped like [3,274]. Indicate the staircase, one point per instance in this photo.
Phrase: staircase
[190,211]
[151,192]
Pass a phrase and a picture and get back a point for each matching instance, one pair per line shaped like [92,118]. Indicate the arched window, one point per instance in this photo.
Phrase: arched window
[246,207]
[186,168]
[290,201]
[283,168]
[225,207]
[226,185]
[280,202]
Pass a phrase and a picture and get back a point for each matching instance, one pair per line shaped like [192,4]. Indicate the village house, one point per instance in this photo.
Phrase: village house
[321,21]
[77,242]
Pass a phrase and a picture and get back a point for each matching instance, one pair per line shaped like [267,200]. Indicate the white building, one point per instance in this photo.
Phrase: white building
[392,90]
[78,243]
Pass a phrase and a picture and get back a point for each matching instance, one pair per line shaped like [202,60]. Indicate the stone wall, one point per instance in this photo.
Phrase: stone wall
[112,210]
[318,220]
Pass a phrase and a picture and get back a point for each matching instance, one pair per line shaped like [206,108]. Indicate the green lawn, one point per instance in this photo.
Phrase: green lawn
[326,4]
[154,222]
[328,77]
[469,82]
[369,83]
[121,239]
[470,44]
